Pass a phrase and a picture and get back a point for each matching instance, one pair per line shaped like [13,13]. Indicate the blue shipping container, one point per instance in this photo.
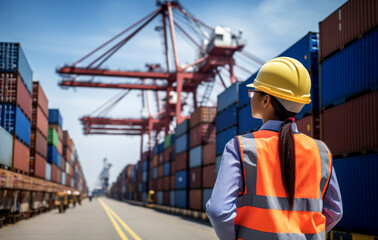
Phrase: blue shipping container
[206,195]
[144,197]
[181,199]
[246,122]
[350,71]
[48,171]
[146,165]
[167,169]
[195,157]
[182,143]
[358,181]
[53,156]
[181,179]
[14,121]
[227,118]
[222,138]
[12,59]
[159,198]
[154,173]
[161,147]
[172,198]
[182,128]
[55,117]
[228,97]
[145,176]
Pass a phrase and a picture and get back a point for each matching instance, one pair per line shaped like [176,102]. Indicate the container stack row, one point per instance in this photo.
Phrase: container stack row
[349,108]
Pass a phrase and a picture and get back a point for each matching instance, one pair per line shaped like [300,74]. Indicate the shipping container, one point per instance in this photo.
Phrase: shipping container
[195,199]
[209,174]
[350,71]
[182,143]
[195,177]
[167,154]
[40,143]
[227,118]
[172,198]
[154,173]
[181,179]
[172,181]
[206,195]
[55,174]
[41,121]
[13,60]
[39,166]
[6,148]
[202,115]
[58,129]
[53,138]
[39,98]
[358,181]
[167,169]
[53,156]
[145,176]
[166,198]
[228,97]
[55,117]
[169,140]
[182,128]
[63,178]
[352,126]
[48,172]
[181,199]
[146,165]
[203,133]
[14,121]
[167,183]
[195,157]
[349,22]
[306,125]
[209,153]
[247,123]
[21,157]
[224,137]
[160,170]
[13,91]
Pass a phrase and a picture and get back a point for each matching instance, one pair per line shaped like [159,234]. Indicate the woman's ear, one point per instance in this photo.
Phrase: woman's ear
[266,100]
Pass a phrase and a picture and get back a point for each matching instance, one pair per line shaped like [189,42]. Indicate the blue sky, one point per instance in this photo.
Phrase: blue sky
[53,33]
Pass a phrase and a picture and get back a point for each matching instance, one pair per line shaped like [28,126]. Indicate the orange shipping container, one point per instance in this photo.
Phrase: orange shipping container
[41,144]
[20,156]
[41,121]
[195,199]
[40,98]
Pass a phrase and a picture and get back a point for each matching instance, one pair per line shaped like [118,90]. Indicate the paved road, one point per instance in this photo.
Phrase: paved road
[107,219]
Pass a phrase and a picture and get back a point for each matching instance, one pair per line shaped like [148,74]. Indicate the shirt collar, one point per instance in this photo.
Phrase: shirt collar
[274,125]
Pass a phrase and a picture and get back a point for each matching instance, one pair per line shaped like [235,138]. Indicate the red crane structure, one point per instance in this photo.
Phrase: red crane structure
[216,52]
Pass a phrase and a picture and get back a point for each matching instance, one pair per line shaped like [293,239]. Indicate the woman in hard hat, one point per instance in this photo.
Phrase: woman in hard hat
[276,183]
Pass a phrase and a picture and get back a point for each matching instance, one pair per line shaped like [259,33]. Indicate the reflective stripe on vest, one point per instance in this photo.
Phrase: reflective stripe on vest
[262,209]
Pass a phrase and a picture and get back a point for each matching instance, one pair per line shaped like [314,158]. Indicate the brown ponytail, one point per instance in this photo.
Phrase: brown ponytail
[286,149]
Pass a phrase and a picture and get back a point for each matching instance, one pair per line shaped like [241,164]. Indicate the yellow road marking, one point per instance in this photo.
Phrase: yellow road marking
[115,224]
[124,225]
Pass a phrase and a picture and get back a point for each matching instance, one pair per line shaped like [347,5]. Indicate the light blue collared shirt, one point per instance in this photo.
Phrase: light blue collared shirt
[221,207]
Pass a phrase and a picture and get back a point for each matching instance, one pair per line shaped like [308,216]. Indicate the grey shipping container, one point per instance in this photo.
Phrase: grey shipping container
[195,157]
[6,147]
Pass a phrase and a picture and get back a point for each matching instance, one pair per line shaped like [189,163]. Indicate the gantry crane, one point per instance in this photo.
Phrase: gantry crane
[216,49]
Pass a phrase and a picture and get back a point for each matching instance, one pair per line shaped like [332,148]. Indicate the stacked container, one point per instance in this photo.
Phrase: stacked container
[15,106]
[349,98]
[68,156]
[168,164]
[55,145]
[145,174]
[39,133]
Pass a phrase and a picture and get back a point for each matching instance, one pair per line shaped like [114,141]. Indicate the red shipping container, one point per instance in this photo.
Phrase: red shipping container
[352,126]
[181,161]
[54,173]
[160,156]
[202,133]
[160,184]
[347,23]
[160,170]
[68,180]
[209,154]
[13,90]
[167,183]
[195,177]
[202,115]
[209,175]
[20,156]
[173,167]
[41,121]
[167,155]
[195,199]
[172,182]
[63,165]
[306,125]
[41,144]
[40,166]
[60,147]
[166,198]
[155,159]
[40,98]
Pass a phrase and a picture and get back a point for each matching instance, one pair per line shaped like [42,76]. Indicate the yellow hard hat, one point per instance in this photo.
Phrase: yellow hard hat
[285,78]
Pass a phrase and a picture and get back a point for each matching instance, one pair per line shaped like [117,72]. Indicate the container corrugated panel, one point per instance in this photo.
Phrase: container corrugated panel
[206,195]
[246,122]
[195,199]
[182,128]
[68,180]
[146,165]
[12,59]
[6,147]
[167,183]
[172,198]
[181,179]
[52,137]
[352,126]
[63,178]
[166,198]
[181,199]
[14,121]
[55,117]
[195,177]
[195,157]
[202,133]
[167,154]
[40,166]
[172,181]
[160,170]
[39,97]
[347,23]
[53,156]
[202,115]
[41,121]
[145,176]
[208,153]
[219,160]
[358,181]
[209,175]
[168,141]
[48,172]
[21,157]
[167,168]
[306,125]
[161,147]
[224,137]
[182,143]
[155,173]
[227,118]
[350,71]
[228,97]
[40,144]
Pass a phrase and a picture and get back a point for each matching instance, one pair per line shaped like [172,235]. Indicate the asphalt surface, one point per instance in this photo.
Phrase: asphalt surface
[107,219]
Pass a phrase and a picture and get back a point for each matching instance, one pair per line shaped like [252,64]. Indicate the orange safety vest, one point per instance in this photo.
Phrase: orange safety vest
[262,208]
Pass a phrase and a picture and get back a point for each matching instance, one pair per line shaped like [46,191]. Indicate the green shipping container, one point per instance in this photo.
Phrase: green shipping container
[168,141]
[53,137]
